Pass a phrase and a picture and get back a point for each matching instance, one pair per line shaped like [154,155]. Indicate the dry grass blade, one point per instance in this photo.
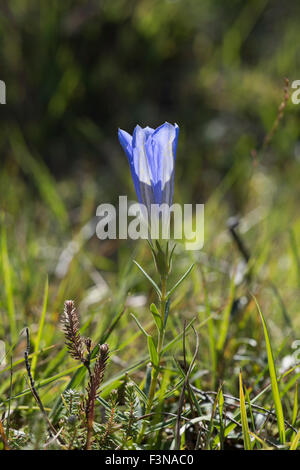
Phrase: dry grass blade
[51,428]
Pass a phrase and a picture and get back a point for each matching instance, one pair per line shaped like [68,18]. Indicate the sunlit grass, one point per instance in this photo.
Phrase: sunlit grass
[113,298]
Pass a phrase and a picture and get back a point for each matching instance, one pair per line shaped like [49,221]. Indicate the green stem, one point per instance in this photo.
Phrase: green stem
[155,371]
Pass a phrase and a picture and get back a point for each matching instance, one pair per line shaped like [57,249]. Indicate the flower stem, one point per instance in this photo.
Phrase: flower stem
[155,370]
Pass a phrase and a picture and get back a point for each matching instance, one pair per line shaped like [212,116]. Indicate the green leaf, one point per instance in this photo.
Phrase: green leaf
[294,443]
[40,330]
[2,354]
[259,441]
[295,252]
[156,316]
[211,328]
[8,285]
[149,279]
[152,351]
[167,308]
[221,409]
[180,281]
[226,318]
[140,392]
[221,403]
[139,325]
[247,396]
[112,326]
[148,381]
[295,407]
[171,255]
[244,419]
[273,376]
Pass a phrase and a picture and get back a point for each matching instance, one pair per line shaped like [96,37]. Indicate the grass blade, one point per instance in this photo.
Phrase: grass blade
[295,407]
[211,333]
[139,325]
[156,316]
[180,281]
[226,317]
[295,441]
[273,377]
[40,331]
[149,279]
[244,419]
[152,351]
[8,286]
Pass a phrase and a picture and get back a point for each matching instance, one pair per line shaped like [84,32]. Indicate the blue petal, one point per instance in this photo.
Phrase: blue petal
[161,150]
[175,140]
[151,154]
[148,131]
[125,140]
[140,160]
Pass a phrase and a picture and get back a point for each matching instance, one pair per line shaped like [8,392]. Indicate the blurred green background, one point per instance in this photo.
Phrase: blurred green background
[75,71]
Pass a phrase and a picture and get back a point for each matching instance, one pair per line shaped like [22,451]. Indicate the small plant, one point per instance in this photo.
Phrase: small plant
[81,349]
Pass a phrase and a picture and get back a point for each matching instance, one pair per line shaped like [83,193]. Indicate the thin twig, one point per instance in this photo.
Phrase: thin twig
[51,428]
[259,409]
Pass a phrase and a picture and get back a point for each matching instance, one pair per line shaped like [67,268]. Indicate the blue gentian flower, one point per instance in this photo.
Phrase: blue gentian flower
[151,155]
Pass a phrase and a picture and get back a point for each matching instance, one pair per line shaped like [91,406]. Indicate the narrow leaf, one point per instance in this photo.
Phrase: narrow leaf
[273,376]
[295,407]
[244,420]
[171,255]
[226,317]
[180,281]
[294,443]
[167,308]
[40,331]
[156,316]
[139,325]
[152,351]
[259,440]
[140,392]
[8,286]
[211,332]
[149,279]
[2,354]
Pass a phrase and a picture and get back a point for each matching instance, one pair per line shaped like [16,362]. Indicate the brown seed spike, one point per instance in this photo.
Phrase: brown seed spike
[70,322]
[92,389]
[104,348]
